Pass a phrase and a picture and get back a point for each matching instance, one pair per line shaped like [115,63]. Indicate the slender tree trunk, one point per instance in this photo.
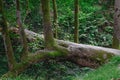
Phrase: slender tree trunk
[27,10]
[55,20]
[48,34]
[116,36]
[22,33]
[6,38]
[115,42]
[76,21]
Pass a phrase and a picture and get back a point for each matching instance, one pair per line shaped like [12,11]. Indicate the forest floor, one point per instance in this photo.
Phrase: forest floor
[109,71]
[54,70]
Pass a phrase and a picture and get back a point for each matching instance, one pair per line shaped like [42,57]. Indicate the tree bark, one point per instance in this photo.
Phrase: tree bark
[88,53]
[22,33]
[55,20]
[76,21]
[116,36]
[115,42]
[92,55]
[27,10]
[6,38]
[48,34]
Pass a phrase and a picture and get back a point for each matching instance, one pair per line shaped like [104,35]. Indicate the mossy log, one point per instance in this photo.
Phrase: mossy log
[88,55]
[81,54]
[84,55]
[31,59]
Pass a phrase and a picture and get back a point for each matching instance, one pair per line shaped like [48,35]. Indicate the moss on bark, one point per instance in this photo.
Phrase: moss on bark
[76,21]
[55,20]
[22,33]
[115,43]
[6,38]
[101,56]
[48,34]
[32,58]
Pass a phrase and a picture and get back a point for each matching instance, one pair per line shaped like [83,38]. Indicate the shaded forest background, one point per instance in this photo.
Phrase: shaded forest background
[95,17]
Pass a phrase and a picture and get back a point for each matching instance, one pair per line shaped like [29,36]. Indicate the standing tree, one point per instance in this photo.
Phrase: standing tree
[116,40]
[55,20]
[6,38]
[22,33]
[48,35]
[27,10]
[76,21]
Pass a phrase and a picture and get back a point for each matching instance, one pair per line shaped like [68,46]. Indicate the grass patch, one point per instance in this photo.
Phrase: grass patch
[110,71]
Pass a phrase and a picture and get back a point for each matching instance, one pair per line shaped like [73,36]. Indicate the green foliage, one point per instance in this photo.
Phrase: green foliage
[95,19]
[2,50]
[4,66]
[55,70]
[94,27]
[51,70]
[36,45]
[110,71]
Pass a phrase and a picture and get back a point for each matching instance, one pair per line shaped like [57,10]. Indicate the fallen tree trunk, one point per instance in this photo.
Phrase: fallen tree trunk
[81,54]
[84,55]
[88,55]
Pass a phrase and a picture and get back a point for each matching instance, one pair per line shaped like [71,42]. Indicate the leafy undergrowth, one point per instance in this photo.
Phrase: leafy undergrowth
[3,65]
[54,70]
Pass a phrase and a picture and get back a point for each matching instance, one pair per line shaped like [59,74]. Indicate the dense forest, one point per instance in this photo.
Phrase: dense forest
[59,40]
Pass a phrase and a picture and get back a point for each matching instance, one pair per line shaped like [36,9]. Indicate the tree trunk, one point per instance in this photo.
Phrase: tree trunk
[27,10]
[117,22]
[55,20]
[88,53]
[76,21]
[48,35]
[6,38]
[22,33]
[115,42]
